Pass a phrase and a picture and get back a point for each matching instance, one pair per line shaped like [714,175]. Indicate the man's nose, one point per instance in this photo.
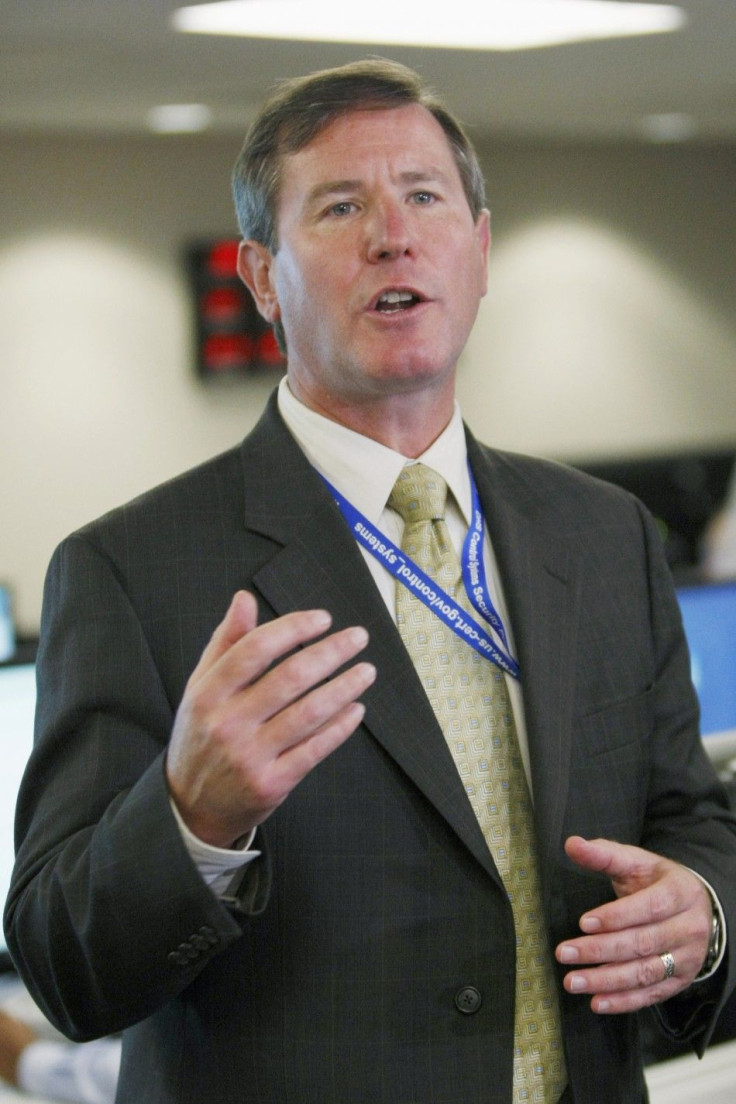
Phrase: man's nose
[389,233]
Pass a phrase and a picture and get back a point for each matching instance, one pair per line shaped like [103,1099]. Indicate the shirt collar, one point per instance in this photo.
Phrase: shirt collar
[363,470]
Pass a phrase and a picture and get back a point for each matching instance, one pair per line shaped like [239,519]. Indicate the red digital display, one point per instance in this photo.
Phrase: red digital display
[232,338]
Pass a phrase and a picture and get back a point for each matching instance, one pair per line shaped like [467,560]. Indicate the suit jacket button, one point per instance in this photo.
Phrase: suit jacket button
[187,951]
[468,1000]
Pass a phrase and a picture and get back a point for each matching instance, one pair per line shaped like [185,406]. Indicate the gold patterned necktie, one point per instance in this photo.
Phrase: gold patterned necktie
[469,697]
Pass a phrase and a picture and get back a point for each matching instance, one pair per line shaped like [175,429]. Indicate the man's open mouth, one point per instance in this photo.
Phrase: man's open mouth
[391,302]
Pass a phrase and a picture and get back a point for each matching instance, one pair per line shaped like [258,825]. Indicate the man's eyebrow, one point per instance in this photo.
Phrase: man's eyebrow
[332,187]
[340,187]
[423,176]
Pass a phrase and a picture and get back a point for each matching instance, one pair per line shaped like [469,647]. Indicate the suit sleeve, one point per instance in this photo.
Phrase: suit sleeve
[107,916]
[688,816]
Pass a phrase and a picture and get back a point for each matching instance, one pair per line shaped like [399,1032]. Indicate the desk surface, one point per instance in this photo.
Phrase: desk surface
[686,1080]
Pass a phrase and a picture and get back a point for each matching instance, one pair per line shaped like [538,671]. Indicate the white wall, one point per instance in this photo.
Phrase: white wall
[608,328]
[609,325]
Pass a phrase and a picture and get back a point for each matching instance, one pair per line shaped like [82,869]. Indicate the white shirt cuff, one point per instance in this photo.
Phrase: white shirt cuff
[217,865]
[722,919]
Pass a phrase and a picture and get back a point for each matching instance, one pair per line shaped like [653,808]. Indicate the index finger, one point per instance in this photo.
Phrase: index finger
[617,860]
[649,887]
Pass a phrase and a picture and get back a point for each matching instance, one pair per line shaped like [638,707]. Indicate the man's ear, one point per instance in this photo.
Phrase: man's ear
[255,264]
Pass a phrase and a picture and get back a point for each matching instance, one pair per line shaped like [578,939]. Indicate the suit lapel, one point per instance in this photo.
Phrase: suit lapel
[541,586]
[316,564]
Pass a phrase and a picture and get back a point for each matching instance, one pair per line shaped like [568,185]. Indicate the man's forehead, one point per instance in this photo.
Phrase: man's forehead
[371,122]
[408,134]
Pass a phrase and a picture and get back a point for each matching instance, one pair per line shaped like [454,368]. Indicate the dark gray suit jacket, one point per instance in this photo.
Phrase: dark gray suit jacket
[335,972]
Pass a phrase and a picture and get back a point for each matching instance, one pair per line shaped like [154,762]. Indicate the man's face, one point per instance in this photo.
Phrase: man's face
[380,267]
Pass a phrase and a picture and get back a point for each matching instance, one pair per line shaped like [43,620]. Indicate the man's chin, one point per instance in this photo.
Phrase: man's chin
[412,372]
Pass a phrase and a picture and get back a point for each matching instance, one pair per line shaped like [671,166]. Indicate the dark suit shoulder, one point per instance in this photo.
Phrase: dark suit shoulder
[202,504]
[199,489]
[164,566]
[550,492]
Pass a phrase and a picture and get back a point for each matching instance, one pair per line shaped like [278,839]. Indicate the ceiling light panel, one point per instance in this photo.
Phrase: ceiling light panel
[179,118]
[484,25]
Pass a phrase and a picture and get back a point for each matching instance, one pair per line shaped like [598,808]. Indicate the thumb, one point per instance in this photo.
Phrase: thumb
[623,863]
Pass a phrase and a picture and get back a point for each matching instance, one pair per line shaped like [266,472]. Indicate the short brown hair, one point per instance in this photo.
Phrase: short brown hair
[298,110]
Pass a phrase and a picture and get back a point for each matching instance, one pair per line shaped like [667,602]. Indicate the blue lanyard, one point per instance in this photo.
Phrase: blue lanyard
[423,587]
[474,571]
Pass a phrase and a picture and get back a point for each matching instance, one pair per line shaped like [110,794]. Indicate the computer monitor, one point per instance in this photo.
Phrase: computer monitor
[682,490]
[17,706]
[709,616]
[7,628]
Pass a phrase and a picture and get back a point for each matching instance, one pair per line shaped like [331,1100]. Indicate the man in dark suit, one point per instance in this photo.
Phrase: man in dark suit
[244,839]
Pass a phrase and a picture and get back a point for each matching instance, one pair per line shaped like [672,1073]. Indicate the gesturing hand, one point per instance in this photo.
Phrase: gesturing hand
[662,908]
[252,724]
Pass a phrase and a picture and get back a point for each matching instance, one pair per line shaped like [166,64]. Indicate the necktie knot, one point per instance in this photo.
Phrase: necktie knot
[419,494]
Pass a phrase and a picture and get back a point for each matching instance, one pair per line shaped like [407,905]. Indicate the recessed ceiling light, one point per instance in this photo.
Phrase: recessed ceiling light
[673,126]
[179,118]
[488,25]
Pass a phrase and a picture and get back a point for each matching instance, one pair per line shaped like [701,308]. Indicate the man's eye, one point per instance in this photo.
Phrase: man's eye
[342,208]
[423,198]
